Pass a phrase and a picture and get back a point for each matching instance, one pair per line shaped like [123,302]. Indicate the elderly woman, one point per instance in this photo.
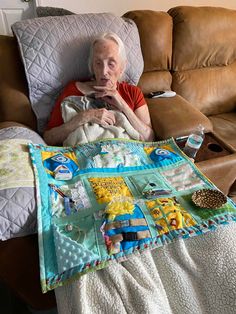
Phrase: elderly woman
[107,63]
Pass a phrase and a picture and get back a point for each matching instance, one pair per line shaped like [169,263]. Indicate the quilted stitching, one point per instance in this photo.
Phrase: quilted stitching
[55,50]
[20,132]
[17,205]
[17,212]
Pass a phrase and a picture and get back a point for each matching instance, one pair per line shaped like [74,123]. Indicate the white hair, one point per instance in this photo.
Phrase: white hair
[108,36]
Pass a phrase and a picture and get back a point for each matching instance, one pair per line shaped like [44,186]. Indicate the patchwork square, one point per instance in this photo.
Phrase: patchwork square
[106,189]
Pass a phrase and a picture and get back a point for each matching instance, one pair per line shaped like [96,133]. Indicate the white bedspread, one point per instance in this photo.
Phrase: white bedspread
[197,275]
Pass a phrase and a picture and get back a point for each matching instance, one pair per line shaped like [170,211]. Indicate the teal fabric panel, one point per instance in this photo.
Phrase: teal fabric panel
[100,215]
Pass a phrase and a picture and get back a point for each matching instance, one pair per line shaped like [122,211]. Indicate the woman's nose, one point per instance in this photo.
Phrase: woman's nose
[105,69]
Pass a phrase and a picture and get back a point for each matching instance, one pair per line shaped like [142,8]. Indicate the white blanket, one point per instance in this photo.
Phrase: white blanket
[92,131]
[192,276]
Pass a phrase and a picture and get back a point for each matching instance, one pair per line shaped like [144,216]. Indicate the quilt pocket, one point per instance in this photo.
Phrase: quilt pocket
[148,181]
[125,231]
[182,177]
[114,155]
[75,241]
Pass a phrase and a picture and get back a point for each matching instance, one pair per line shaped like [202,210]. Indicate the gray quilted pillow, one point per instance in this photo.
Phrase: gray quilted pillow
[55,51]
[18,215]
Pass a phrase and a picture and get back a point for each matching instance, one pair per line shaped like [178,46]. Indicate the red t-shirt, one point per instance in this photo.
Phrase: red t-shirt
[130,93]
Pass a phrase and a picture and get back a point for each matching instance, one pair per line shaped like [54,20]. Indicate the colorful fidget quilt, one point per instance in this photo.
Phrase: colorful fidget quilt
[102,201]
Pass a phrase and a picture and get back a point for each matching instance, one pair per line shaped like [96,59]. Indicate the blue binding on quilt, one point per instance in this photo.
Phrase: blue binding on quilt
[102,201]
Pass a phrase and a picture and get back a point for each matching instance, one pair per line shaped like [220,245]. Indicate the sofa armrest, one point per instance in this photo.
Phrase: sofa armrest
[221,171]
[21,274]
[8,124]
[175,117]
[12,129]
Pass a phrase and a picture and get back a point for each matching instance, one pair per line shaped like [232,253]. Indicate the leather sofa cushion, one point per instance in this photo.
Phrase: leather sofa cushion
[155,81]
[155,32]
[203,37]
[204,57]
[175,117]
[221,171]
[13,86]
[225,126]
[211,90]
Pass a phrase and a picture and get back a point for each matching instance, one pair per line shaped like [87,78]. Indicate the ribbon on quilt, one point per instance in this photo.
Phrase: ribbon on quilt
[102,201]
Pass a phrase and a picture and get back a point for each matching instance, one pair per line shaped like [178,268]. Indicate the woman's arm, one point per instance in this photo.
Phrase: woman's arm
[58,131]
[139,119]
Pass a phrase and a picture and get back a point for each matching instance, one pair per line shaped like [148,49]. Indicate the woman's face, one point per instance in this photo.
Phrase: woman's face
[107,63]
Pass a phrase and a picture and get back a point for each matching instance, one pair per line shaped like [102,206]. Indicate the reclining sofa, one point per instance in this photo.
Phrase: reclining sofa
[190,50]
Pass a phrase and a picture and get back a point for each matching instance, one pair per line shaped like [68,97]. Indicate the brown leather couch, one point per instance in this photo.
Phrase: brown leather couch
[191,50]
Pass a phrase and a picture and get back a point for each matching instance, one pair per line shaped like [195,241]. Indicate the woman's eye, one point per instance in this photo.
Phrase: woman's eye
[112,64]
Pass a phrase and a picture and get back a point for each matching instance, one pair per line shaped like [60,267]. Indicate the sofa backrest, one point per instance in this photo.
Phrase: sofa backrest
[155,32]
[204,57]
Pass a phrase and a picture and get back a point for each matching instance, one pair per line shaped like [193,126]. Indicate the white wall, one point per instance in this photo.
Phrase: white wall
[119,7]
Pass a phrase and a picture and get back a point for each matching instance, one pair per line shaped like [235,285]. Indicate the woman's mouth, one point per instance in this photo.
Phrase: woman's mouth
[104,81]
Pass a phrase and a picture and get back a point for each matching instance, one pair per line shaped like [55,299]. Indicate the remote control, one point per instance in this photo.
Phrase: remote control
[167,93]
[155,94]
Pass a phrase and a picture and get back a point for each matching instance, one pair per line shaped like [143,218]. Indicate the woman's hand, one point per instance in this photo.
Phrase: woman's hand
[111,96]
[100,116]
[140,119]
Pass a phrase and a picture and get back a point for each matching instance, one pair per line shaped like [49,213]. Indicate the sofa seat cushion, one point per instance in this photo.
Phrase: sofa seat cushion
[224,125]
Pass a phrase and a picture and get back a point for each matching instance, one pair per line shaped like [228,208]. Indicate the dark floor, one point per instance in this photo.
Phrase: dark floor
[9,304]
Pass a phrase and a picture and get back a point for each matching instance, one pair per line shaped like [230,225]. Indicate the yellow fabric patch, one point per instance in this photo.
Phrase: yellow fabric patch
[168,214]
[119,207]
[108,188]
[149,149]
[156,213]
[189,220]
[164,227]
[150,204]
[175,219]
[167,147]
